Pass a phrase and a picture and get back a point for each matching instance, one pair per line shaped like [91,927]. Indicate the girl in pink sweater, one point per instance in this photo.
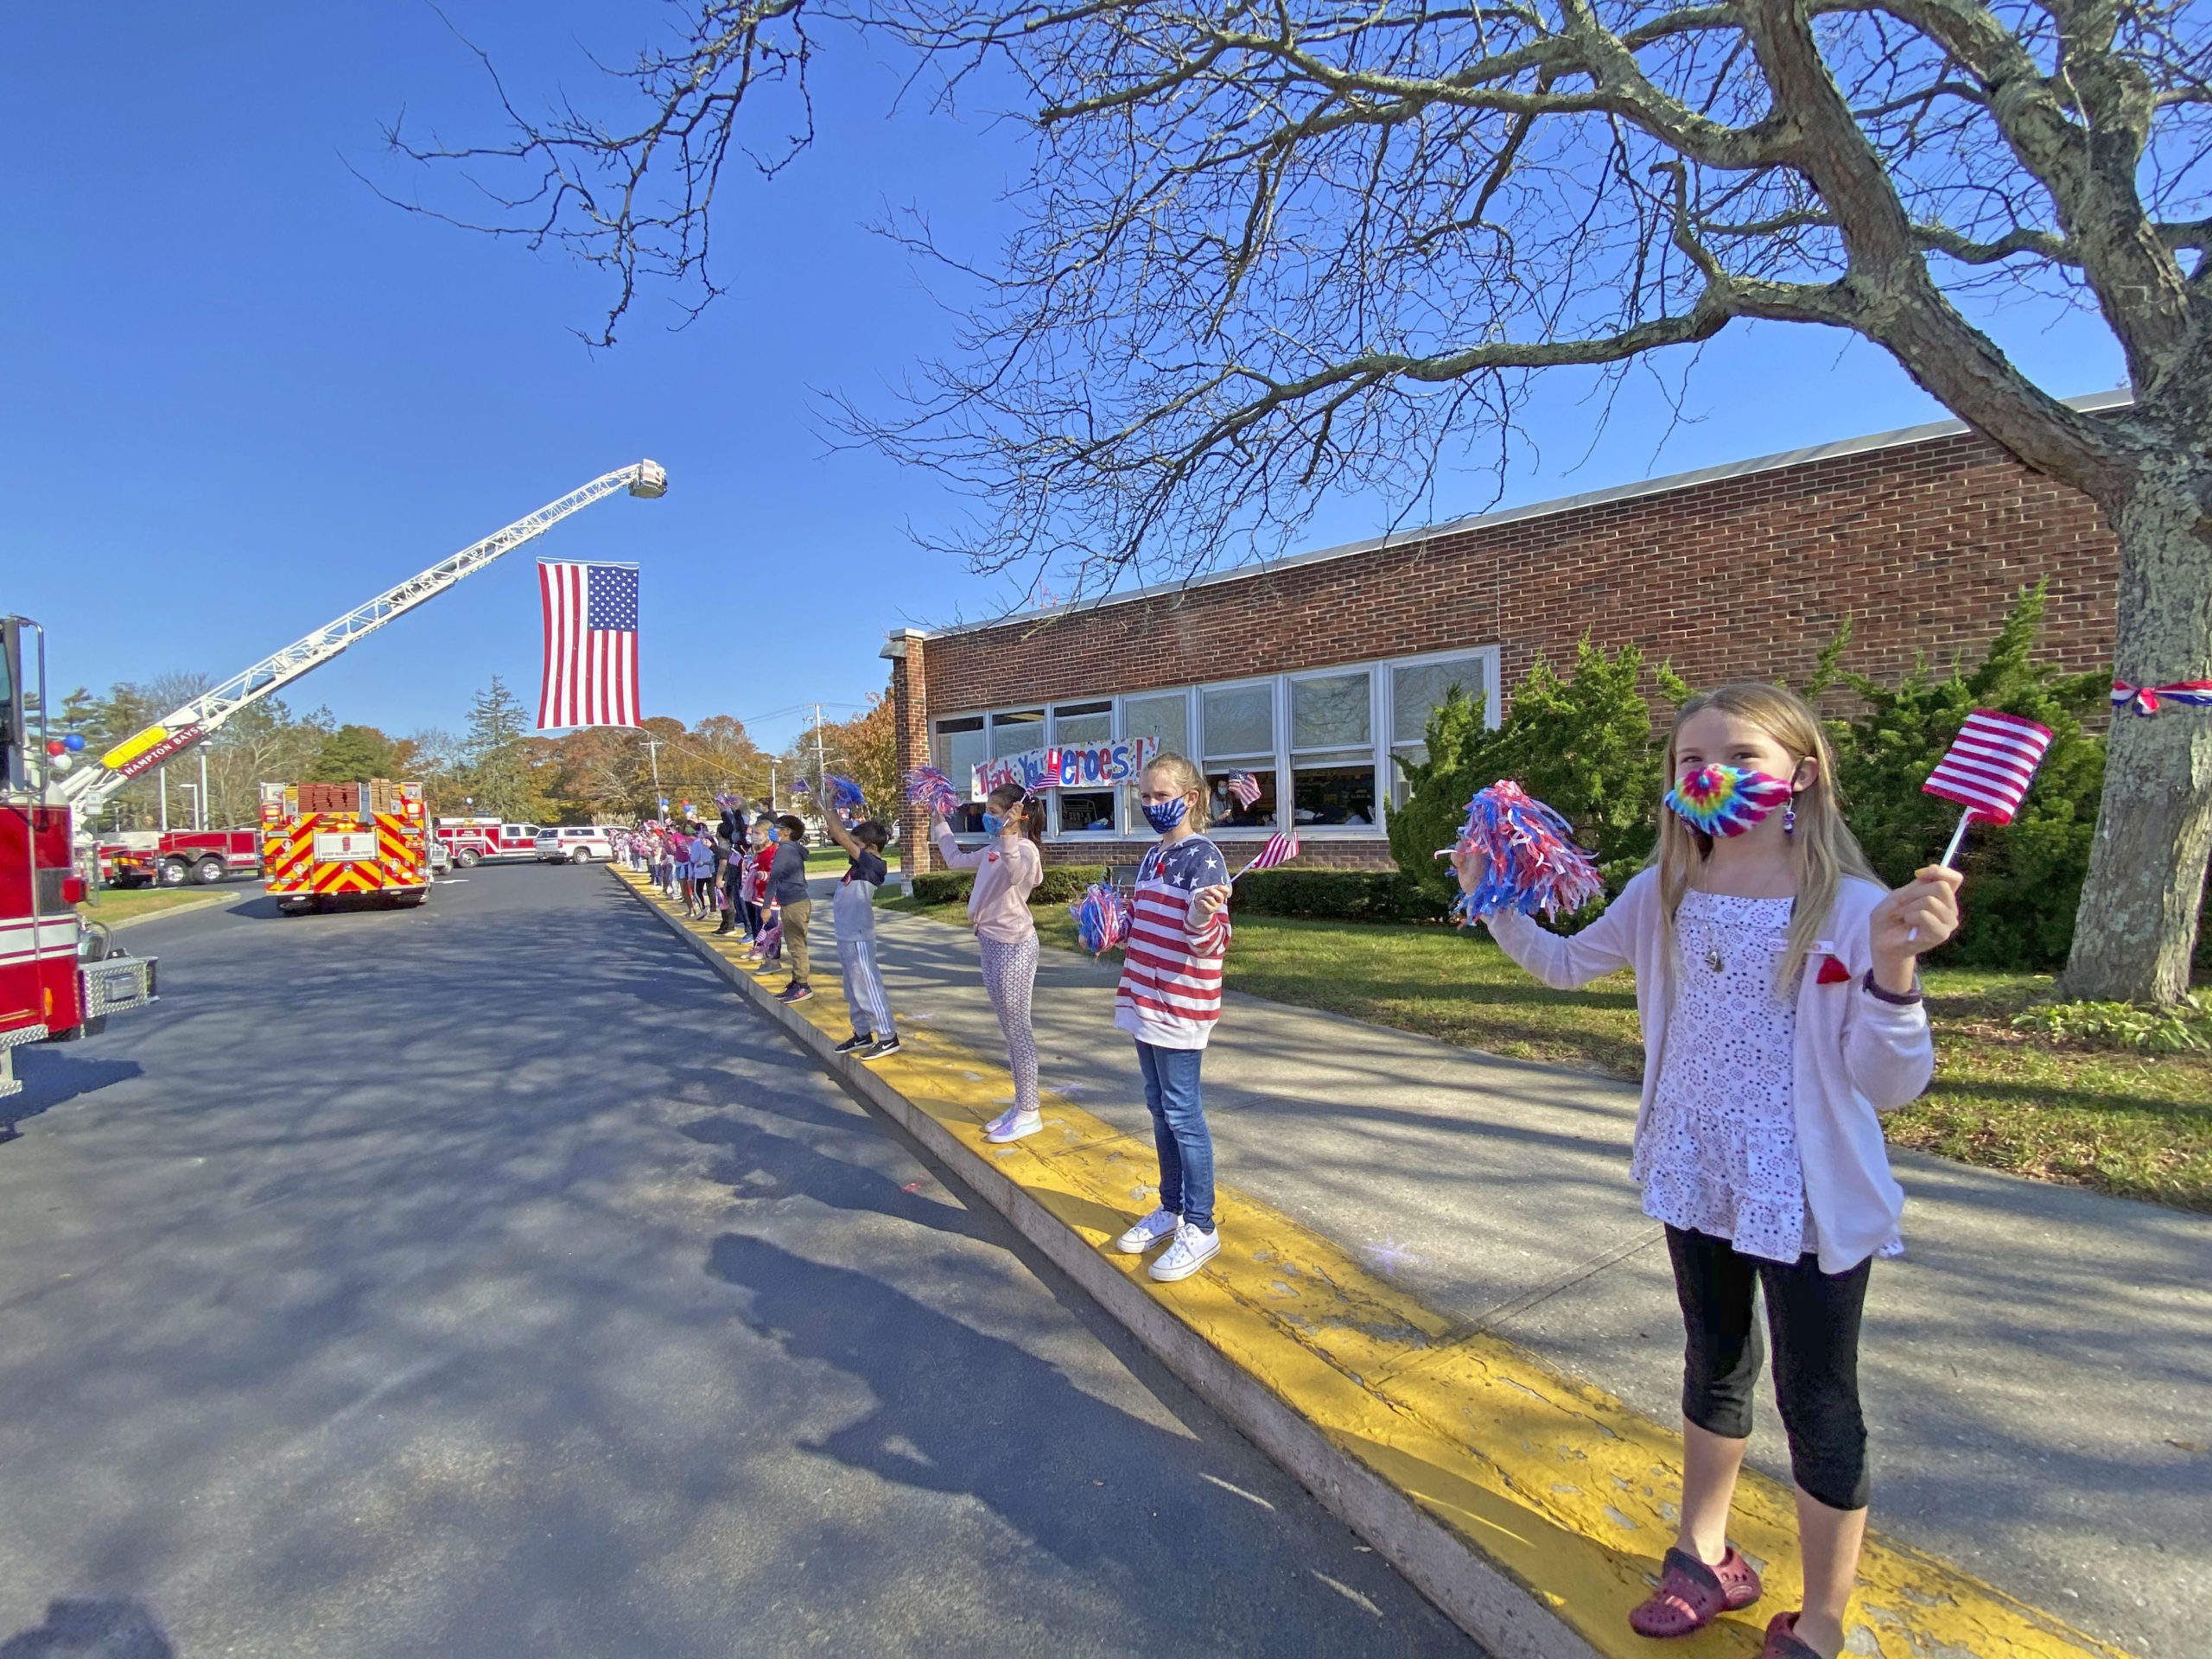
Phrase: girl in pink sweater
[1008,866]
[1778,985]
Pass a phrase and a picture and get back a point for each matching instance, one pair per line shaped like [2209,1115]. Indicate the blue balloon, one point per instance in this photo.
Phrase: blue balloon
[72,742]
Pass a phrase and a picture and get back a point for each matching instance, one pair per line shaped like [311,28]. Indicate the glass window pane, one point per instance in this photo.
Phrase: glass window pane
[1241,720]
[1322,796]
[1229,813]
[1081,728]
[1087,812]
[1415,690]
[1329,713]
[1017,733]
[1166,718]
[959,752]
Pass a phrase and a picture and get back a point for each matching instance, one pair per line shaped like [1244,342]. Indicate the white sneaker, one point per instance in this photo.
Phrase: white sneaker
[1191,1250]
[1148,1232]
[1013,1126]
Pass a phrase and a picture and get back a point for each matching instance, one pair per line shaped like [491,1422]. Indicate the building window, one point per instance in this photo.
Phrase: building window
[1017,732]
[1240,736]
[1333,751]
[961,746]
[1417,689]
[1165,719]
[1085,811]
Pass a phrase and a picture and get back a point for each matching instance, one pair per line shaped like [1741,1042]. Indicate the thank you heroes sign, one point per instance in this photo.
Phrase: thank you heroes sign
[1072,765]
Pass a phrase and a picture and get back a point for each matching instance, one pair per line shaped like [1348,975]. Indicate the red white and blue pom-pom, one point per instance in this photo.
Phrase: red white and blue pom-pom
[845,794]
[928,787]
[1101,917]
[1529,859]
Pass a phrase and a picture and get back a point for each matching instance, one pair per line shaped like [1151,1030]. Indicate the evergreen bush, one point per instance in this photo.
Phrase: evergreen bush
[1340,895]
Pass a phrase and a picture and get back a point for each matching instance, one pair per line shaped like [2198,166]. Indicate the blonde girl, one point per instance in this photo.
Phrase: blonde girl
[1778,988]
[1168,999]
[1007,866]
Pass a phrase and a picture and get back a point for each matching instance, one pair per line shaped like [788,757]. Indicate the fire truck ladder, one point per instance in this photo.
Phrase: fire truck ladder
[89,790]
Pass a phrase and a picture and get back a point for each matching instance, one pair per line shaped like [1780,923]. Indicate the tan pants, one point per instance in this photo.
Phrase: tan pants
[796,915]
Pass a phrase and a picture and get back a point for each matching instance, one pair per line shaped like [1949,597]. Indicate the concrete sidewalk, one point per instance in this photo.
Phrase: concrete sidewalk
[2038,1369]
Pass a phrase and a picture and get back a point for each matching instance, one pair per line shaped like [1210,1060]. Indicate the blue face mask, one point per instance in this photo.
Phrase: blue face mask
[1164,816]
[991,822]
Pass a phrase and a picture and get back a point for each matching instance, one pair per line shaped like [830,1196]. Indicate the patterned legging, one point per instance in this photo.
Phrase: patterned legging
[1010,974]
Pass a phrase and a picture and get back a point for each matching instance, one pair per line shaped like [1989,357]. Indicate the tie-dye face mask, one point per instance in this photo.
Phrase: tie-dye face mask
[1725,800]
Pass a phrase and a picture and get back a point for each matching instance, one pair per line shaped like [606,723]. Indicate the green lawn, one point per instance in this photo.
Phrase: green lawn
[2140,1125]
[122,903]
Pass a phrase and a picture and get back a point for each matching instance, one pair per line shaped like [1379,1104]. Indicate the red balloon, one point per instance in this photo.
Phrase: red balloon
[55,746]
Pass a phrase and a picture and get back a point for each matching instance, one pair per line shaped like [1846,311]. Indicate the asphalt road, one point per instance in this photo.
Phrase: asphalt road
[487,1280]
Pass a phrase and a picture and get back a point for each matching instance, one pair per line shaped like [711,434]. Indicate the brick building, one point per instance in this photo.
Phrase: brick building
[1315,672]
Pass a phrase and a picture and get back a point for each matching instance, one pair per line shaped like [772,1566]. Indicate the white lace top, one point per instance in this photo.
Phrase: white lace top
[1719,1153]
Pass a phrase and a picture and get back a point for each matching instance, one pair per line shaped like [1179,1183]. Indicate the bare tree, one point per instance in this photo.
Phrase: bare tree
[1266,251]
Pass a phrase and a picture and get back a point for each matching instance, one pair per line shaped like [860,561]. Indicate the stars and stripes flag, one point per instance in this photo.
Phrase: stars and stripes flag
[591,644]
[1244,788]
[1281,848]
[1990,763]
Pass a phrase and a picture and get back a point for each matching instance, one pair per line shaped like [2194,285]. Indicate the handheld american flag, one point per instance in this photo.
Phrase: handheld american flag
[1281,848]
[591,644]
[1244,788]
[1987,769]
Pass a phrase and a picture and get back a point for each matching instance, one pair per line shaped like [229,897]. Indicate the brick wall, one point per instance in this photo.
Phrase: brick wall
[1923,545]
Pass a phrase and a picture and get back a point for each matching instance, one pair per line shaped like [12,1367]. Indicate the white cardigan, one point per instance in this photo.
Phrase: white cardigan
[1856,1055]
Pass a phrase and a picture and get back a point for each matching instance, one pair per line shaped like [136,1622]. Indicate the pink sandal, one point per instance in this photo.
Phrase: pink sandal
[1781,1640]
[1691,1595]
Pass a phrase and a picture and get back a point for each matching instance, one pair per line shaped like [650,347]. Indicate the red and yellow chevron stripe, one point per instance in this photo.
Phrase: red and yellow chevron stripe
[290,864]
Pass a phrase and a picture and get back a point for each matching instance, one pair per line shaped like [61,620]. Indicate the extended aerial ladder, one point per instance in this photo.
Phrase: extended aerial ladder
[88,790]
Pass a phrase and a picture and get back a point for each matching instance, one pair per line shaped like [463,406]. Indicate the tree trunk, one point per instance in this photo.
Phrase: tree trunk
[2136,929]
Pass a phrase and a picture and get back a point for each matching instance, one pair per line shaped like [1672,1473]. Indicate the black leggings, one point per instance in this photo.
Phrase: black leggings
[1814,1317]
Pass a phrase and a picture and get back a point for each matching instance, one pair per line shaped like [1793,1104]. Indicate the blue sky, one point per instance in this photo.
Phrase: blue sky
[243,394]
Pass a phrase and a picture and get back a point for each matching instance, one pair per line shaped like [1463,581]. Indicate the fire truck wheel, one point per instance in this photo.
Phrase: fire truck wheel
[207,871]
[175,872]
[467,858]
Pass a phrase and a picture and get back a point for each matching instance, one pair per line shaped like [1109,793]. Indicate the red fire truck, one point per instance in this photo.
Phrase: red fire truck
[172,858]
[477,841]
[323,842]
[59,978]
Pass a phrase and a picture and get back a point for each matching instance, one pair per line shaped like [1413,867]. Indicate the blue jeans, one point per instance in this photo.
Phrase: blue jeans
[1179,1132]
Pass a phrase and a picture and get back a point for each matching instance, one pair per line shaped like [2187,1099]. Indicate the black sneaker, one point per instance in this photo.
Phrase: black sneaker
[795,992]
[851,1044]
[877,1051]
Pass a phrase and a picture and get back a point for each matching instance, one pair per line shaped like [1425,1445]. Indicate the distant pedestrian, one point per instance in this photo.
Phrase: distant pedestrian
[1777,987]
[1009,866]
[1169,1000]
[854,913]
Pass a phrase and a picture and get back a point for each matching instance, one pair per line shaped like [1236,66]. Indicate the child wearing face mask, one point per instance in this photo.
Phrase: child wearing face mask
[1778,988]
[1009,866]
[1168,999]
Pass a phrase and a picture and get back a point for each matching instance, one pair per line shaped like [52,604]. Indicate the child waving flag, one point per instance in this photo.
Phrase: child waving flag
[1777,984]
[1168,999]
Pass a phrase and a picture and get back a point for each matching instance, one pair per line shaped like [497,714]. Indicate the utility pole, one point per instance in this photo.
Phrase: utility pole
[652,753]
[162,774]
[820,766]
[199,801]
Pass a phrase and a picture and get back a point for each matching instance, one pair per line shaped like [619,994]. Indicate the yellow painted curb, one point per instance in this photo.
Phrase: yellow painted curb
[1549,1480]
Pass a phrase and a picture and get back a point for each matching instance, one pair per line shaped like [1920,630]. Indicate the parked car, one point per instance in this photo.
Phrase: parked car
[575,844]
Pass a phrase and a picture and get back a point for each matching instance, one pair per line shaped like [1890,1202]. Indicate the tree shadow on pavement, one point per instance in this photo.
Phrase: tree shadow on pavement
[100,1627]
[761,1166]
[51,1077]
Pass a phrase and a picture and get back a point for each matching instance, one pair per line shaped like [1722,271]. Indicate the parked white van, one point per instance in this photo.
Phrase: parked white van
[575,844]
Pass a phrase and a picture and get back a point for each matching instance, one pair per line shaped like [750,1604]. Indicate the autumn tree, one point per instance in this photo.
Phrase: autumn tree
[1265,252]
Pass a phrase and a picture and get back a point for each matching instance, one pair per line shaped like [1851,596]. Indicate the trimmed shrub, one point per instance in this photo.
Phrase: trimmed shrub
[1339,895]
[945,887]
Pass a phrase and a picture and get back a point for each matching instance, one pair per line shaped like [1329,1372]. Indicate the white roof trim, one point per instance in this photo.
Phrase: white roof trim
[2093,403]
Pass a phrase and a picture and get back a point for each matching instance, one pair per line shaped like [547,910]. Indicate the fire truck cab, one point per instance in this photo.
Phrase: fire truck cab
[58,976]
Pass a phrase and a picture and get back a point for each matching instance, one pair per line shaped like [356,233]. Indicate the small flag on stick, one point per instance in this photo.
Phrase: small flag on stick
[1987,769]
[1244,788]
[1281,848]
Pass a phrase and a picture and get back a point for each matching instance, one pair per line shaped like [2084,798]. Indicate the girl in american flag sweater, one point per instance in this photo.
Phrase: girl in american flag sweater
[1168,999]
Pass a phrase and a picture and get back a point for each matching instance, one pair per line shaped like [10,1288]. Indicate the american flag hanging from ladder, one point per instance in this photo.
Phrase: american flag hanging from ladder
[591,644]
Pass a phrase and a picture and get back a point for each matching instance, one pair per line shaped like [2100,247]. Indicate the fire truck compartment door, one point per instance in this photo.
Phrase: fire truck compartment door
[344,846]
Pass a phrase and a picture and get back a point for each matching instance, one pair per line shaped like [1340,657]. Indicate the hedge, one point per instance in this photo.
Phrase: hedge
[1063,884]
[1339,895]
